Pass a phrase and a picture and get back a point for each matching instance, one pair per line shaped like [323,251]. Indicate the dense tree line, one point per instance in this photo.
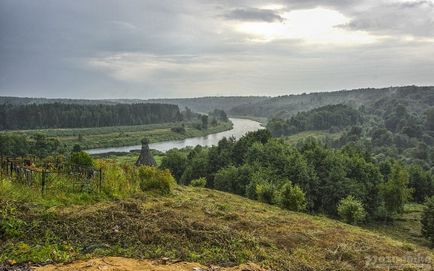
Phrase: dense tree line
[59,115]
[12,145]
[417,99]
[394,132]
[310,176]
[322,118]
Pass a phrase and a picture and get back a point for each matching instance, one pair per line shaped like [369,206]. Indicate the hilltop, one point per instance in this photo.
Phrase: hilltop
[199,225]
[417,98]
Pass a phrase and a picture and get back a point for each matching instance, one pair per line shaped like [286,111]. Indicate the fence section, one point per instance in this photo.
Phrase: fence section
[60,178]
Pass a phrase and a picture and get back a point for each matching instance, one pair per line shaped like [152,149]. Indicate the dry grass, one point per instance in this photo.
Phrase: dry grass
[209,227]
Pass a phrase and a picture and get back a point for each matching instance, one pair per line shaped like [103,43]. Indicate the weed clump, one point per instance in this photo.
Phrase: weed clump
[156,180]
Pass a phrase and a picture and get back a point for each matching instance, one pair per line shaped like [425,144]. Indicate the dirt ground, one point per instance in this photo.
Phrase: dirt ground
[125,264]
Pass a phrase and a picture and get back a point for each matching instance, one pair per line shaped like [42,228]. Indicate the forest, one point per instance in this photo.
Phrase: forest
[417,99]
[310,176]
[394,131]
[322,118]
[60,115]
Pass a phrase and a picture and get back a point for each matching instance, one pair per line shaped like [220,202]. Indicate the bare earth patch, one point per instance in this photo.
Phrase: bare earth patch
[126,264]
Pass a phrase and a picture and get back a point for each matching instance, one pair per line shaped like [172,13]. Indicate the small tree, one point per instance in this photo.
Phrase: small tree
[428,220]
[76,148]
[175,161]
[204,119]
[395,191]
[291,197]
[81,159]
[351,210]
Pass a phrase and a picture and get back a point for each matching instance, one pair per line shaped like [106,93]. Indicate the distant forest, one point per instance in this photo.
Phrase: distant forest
[60,115]
[201,104]
[415,99]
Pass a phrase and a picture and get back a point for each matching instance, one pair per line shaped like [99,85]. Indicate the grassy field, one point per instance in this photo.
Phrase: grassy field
[128,158]
[89,138]
[193,224]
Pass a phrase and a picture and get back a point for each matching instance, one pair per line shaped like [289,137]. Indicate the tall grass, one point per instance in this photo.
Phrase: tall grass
[118,181]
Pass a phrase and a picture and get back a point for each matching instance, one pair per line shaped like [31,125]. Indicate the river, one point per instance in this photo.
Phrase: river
[240,128]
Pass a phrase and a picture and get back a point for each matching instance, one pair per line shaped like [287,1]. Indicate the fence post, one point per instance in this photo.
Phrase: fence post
[43,182]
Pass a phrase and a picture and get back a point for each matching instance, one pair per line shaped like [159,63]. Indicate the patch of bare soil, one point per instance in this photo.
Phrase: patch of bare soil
[126,264]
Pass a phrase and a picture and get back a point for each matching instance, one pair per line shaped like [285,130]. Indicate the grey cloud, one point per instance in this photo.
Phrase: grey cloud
[46,46]
[253,14]
[408,18]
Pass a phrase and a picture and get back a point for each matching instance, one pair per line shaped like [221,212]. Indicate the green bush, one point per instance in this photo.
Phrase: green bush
[200,182]
[428,220]
[351,210]
[291,197]
[153,179]
[81,159]
[265,192]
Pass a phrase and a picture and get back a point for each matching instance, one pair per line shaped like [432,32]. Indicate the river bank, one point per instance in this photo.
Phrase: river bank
[239,128]
[117,136]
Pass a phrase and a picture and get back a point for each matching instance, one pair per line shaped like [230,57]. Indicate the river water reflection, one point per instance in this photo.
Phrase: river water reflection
[240,128]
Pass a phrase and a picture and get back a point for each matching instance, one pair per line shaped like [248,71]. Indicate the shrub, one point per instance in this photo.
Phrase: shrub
[265,192]
[225,178]
[351,210]
[179,130]
[153,179]
[291,197]
[81,159]
[200,182]
[428,220]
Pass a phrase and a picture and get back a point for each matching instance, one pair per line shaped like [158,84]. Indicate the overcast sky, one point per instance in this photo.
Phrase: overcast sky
[171,48]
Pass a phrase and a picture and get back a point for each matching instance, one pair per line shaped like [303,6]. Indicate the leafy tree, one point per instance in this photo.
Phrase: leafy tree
[14,145]
[395,191]
[427,220]
[232,179]
[242,146]
[291,197]
[421,183]
[42,146]
[204,120]
[197,166]
[175,161]
[81,159]
[351,210]
[219,157]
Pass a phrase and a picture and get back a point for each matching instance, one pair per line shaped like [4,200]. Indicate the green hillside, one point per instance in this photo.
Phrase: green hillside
[197,224]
